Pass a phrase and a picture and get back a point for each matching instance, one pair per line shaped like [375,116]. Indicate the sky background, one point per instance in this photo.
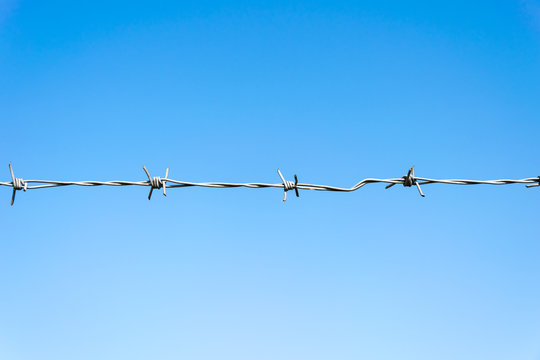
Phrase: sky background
[230,91]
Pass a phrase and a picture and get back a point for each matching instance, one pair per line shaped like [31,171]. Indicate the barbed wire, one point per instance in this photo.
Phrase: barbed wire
[157,183]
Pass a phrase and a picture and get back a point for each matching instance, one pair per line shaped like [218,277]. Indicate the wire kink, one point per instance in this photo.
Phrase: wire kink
[161,183]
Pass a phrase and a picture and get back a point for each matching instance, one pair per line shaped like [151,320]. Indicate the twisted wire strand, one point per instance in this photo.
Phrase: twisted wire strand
[477,182]
[158,183]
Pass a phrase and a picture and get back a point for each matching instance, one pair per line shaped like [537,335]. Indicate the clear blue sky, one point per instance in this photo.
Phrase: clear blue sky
[230,91]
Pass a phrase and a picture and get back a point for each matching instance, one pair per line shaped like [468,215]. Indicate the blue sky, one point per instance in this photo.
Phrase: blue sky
[230,91]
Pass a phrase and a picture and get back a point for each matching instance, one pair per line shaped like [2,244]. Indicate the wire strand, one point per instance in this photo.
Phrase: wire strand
[158,183]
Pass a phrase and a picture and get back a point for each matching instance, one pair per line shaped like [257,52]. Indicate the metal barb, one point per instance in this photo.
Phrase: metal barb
[412,180]
[17,184]
[156,182]
[289,185]
[408,181]
[534,185]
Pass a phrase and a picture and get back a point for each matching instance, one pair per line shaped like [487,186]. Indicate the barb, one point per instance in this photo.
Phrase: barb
[533,185]
[17,184]
[409,180]
[289,185]
[157,183]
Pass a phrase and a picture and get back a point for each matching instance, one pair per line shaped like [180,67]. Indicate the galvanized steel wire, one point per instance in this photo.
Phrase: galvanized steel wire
[157,183]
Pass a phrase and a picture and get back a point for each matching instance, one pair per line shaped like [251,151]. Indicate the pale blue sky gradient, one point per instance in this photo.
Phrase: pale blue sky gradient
[230,91]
